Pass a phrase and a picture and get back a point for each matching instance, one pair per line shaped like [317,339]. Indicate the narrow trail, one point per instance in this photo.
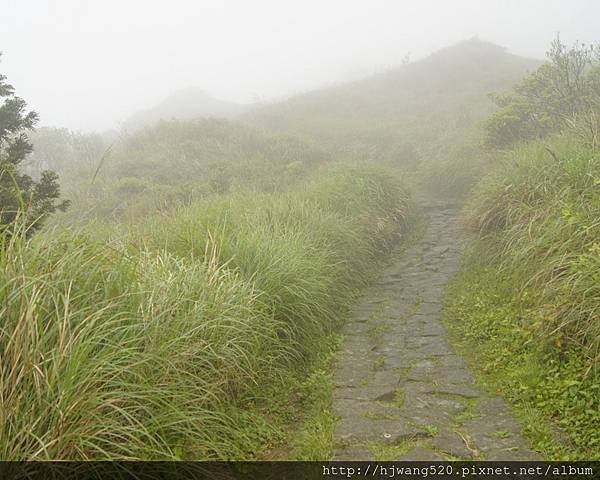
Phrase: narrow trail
[401,392]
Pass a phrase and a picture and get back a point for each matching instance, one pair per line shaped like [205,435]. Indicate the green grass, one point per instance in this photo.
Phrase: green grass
[193,317]
[310,424]
[544,216]
[174,163]
[156,340]
[525,307]
[392,452]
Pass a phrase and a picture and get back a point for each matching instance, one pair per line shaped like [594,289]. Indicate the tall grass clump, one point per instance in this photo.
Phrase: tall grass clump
[153,341]
[543,209]
[528,299]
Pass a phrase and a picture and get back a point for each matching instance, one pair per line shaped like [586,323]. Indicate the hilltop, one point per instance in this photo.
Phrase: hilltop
[423,117]
[450,85]
[185,104]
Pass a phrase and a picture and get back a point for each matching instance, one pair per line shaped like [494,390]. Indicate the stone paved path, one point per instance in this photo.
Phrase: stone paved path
[401,392]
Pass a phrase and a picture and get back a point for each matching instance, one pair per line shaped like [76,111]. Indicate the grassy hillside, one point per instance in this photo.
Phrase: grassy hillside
[430,91]
[187,104]
[422,117]
[526,306]
[211,258]
[195,279]
[527,303]
[157,341]
[425,115]
[177,162]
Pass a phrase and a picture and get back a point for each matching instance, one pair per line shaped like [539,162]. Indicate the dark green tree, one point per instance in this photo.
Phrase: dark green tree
[20,195]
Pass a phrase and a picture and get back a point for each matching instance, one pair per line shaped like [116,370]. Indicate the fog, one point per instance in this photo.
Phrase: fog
[88,65]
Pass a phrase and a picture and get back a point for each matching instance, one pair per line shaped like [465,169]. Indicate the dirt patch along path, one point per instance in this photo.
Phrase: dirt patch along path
[400,390]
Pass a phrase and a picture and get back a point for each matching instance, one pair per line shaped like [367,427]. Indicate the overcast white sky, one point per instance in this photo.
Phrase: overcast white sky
[88,64]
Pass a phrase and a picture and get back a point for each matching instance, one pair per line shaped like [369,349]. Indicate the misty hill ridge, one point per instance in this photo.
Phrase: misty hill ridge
[185,104]
[450,83]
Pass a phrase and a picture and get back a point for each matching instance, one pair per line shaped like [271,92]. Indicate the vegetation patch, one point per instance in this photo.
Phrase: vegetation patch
[525,308]
[154,340]
[384,452]
[300,407]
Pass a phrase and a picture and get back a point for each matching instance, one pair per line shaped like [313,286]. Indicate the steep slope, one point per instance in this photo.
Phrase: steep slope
[185,104]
